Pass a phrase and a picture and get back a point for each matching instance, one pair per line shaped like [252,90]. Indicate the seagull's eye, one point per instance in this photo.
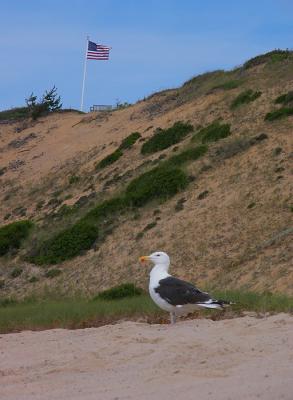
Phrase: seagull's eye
[158,255]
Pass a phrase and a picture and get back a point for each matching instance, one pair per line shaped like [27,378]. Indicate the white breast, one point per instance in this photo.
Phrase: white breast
[158,273]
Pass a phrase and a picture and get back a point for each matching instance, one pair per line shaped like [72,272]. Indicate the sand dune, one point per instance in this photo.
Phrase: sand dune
[242,358]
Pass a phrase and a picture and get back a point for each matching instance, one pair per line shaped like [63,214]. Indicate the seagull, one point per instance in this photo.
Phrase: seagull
[172,294]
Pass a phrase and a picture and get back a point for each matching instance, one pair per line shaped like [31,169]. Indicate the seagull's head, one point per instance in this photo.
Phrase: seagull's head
[157,258]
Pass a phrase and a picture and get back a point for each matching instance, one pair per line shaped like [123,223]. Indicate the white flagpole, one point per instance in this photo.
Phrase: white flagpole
[84,73]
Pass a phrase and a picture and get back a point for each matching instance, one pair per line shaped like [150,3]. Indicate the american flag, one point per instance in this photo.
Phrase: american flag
[97,51]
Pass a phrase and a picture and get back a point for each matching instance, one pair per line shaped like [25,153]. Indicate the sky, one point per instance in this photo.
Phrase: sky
[155,44]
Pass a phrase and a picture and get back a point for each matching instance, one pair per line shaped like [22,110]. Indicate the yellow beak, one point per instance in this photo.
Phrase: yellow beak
[143,259]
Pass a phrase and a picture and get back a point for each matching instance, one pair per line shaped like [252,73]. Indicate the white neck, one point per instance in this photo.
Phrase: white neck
[159,271]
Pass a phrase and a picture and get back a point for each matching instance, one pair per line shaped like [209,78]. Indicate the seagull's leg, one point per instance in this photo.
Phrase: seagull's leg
[173,317]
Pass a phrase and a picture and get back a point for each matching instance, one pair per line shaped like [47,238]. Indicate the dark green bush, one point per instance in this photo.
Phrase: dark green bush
[213,132]
[13,234]
[3,170]
[110,159]
[245,97]
[16,272]
[149,226]
[158,183]
[278,114]
[164,138]
[273,56]
[119,292]
[66,244]
[129,141]
[285,98]
[187,155]
[52,273]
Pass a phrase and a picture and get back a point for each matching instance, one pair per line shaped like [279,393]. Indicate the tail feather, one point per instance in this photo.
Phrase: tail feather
[215,304]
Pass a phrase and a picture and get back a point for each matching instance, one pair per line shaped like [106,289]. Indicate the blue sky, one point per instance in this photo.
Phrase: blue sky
[155,44]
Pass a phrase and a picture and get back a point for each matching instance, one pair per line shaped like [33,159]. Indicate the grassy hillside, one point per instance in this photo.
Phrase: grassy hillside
[201,171]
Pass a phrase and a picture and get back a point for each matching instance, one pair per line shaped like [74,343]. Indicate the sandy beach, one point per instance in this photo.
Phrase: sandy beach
[241,358]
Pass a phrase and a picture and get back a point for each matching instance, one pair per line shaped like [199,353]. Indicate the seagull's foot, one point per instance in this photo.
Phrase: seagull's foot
[172,318]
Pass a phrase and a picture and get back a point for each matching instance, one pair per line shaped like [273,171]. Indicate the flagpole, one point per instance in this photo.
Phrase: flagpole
[84,73]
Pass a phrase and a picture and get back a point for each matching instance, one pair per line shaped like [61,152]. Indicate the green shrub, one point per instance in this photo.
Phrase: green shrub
[52,273]
[164,138]
[213,132]
[158,183]
[129,141]
[3,170]
[149,226]
[119,292]
[17,113]
[278,114]
[245,97]
[285,98]
[33,279]
[232,84]
[110,159]
[106,209]
[13,234]
[16,272]
[67,244]
[73,179]
[187,155]
[273,56]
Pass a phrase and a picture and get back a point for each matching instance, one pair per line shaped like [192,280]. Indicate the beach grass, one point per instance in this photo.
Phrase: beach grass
[33,314]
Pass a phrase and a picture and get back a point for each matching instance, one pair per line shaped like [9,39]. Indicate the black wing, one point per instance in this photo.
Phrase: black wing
[178,292]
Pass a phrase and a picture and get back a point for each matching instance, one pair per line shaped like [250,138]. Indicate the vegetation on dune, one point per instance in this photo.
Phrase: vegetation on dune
[245,97]
[164,138]
[52,273]
[271,56]
[119,292]
[278,114]
[285,98]
[73,313]
[12,235]
[16,113]
[158,183]
[190,154]
[129,141]
[231,84]
[212,133]
[126,143]
[50,102]
[17,271]
[67,244]
[110,159]
[206,76]
[80,313]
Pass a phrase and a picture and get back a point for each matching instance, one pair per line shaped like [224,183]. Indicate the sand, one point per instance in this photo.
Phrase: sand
[241,358]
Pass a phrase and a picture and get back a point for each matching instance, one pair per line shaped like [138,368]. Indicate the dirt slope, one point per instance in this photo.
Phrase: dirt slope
[238,235]
[244,358]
